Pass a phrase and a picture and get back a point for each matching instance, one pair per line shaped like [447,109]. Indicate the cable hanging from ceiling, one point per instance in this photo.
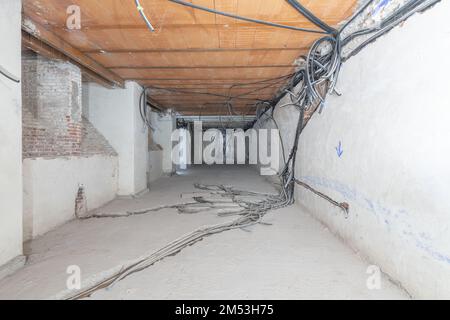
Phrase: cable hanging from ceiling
[9,75]
[145,107]
[318,76]
[238,17]
[143,15]
[313,83]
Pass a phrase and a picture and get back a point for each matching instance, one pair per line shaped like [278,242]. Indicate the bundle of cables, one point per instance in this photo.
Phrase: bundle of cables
[312,83]
[318,77]
[250,208]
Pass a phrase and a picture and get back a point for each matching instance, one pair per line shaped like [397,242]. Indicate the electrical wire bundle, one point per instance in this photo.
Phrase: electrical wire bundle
[319,75]
[144,109]
[249,207]
[313,83]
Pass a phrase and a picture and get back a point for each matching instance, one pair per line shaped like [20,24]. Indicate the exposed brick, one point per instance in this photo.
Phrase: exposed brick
[53,125]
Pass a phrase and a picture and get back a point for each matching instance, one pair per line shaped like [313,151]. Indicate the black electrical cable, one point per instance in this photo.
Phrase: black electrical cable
[387,24]
[144,109]
[230,106]
[175,90]
[321,70]
[230,15]
[8,75]
[318,77]
[229,97]
[311,17]
[262,82]
[257,89]
[266,80]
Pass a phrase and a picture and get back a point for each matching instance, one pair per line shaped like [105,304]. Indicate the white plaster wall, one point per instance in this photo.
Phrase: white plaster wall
[286,122]
[155,165]
[156,154]
[115,114]
[140,144]
[392,120]
[10,133]
[164,126]
[51,186]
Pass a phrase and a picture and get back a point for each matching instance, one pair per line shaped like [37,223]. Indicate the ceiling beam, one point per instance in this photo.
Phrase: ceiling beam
[202,85]
[205,87]
[193,50]
[214,108]
[206,94]
[31,43]
[211,113]
[184,83]
[40,32]
[215,111]
[195,102]
[199,67]
[219,26]
[232,81]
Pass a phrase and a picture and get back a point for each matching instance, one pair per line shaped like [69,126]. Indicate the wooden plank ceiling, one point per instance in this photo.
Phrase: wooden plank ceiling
[191,52]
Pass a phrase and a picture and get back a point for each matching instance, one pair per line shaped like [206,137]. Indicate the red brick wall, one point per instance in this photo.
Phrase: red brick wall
[53,125]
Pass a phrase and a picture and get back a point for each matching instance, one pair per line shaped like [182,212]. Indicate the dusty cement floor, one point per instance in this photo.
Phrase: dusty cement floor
[295,258]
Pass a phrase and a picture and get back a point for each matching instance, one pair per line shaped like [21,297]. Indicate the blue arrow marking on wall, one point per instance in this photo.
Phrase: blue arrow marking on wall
[339,150]
[380,6]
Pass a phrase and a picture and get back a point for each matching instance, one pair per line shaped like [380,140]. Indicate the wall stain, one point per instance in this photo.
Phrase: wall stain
[392,219]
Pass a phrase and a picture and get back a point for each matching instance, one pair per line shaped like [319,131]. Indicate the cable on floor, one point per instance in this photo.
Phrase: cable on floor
[313,83]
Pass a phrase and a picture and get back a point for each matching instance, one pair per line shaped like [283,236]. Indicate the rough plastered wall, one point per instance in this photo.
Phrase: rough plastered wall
[392,124]
[155,163]
[62,151]
[115,113]
[51,187]
[10,134]
[155,153]
[286,119]
[164,125]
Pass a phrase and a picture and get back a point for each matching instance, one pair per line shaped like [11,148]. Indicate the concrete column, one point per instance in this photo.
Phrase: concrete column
[164,126]
[10,134]
[115,113]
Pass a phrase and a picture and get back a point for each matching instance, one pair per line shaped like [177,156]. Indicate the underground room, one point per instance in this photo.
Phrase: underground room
[224,150]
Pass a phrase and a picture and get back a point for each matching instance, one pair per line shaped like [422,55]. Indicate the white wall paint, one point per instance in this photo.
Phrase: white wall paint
[164,126]
[115,114]
[10,133]
[157,155]
[392,120]
[140,144]
[155,158]
[51,186]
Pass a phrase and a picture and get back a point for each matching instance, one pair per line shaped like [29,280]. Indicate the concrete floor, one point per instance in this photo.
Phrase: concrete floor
[295,258]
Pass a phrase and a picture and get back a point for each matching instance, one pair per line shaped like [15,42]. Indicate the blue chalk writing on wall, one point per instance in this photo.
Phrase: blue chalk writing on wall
[397,218]
[380,6]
